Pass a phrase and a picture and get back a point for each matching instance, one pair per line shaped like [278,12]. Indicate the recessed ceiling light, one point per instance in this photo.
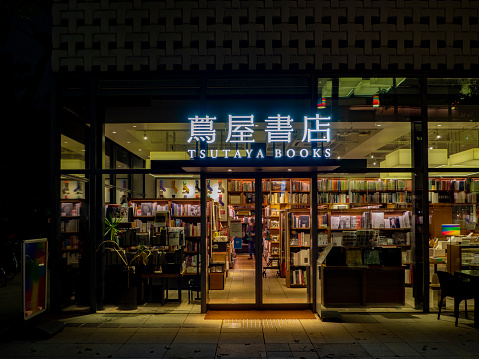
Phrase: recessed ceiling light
[378,125]
[119,166]
[127,141]
[374,163]
[66,142]
[431,148]
[134,126]
[139,149]
[438,136]
[289,169]
[114,131]
[229,170]
[83,150]
[372,156]
[339,158]
[439,125]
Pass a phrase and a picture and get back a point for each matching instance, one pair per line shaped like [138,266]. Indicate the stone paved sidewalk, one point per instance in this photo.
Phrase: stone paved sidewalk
[188,335]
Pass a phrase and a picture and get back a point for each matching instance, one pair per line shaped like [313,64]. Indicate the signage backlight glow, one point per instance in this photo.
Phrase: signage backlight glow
[279,129]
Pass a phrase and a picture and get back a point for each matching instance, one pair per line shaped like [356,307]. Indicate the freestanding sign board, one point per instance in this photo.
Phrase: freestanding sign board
[34,273]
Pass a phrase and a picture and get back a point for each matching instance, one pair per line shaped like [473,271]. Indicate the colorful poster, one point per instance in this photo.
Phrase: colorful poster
[34,272]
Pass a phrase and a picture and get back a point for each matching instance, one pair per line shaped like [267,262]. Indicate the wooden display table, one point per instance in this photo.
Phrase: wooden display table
[217,275]
[164,279]
[374,285]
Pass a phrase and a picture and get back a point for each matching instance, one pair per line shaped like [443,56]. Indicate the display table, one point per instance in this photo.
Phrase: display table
[374,285]
[217,275]
[164,284]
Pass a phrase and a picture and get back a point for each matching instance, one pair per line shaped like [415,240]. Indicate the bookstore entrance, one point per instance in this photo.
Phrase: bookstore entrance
[259,254]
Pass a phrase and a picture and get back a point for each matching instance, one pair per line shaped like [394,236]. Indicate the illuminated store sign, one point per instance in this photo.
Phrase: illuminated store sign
[278,128]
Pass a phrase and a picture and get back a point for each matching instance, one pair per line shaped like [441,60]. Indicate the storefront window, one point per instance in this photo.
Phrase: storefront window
[73,137]
[369,220]
[73,245]
[453,225]
[453,111]
[370,118]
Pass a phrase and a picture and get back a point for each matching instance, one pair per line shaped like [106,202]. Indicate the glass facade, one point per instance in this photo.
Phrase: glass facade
[150,161]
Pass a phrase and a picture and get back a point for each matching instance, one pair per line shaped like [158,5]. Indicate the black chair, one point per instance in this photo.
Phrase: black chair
[194,285]
[456,288]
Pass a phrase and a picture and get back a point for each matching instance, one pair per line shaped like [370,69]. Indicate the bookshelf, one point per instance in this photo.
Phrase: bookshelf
[461,257]
[273,244]
[456,190]
[180,214]
[357,192]
[298,248]
[73,235]
[72,229]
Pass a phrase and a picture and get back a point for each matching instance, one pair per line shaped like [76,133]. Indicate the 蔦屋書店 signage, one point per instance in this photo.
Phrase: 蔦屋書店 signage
[279,129]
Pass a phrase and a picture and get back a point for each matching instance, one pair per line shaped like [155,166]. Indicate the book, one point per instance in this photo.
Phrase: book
[176,236]
[146,209]
[353,257]
[67,209]
[377,219]
[161,218]
[334,222]
[371,257]
[344,222]
[194,210]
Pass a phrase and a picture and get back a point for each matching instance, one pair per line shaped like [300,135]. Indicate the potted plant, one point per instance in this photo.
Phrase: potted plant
[128,291]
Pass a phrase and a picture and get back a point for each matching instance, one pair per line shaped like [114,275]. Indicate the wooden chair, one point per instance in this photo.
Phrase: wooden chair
[456,288]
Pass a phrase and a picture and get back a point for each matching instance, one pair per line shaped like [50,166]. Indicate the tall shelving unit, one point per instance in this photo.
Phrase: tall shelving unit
[182,212]
[298,248]
[73,234]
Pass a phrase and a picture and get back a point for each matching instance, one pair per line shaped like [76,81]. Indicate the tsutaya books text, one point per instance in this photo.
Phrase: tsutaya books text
[278,128]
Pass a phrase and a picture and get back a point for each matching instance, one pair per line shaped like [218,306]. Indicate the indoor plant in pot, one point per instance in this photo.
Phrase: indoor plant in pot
[116,255]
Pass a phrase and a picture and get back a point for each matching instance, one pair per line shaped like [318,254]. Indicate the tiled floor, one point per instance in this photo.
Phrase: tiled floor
[188,335]
[240,288]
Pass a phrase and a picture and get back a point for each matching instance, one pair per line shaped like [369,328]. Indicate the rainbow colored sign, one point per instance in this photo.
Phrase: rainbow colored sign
[451,230]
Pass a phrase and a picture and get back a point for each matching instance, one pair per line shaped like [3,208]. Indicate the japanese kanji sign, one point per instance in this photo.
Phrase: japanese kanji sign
[279,129]
[202,129]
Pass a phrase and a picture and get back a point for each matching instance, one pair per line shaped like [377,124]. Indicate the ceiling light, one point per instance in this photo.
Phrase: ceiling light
[431,148]
[66,142]
[438,136]
[372,156]
[139,149]
[378,125]
[374,163]
[229,170]
[134,126]
[339,158]
[127,141]
[289,169]
[439,125]
[114,131]
[83,150]
[145,137]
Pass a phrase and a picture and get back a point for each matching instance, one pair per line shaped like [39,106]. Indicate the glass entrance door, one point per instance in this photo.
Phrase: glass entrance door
[260,244]
[231,265]
[286,240]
